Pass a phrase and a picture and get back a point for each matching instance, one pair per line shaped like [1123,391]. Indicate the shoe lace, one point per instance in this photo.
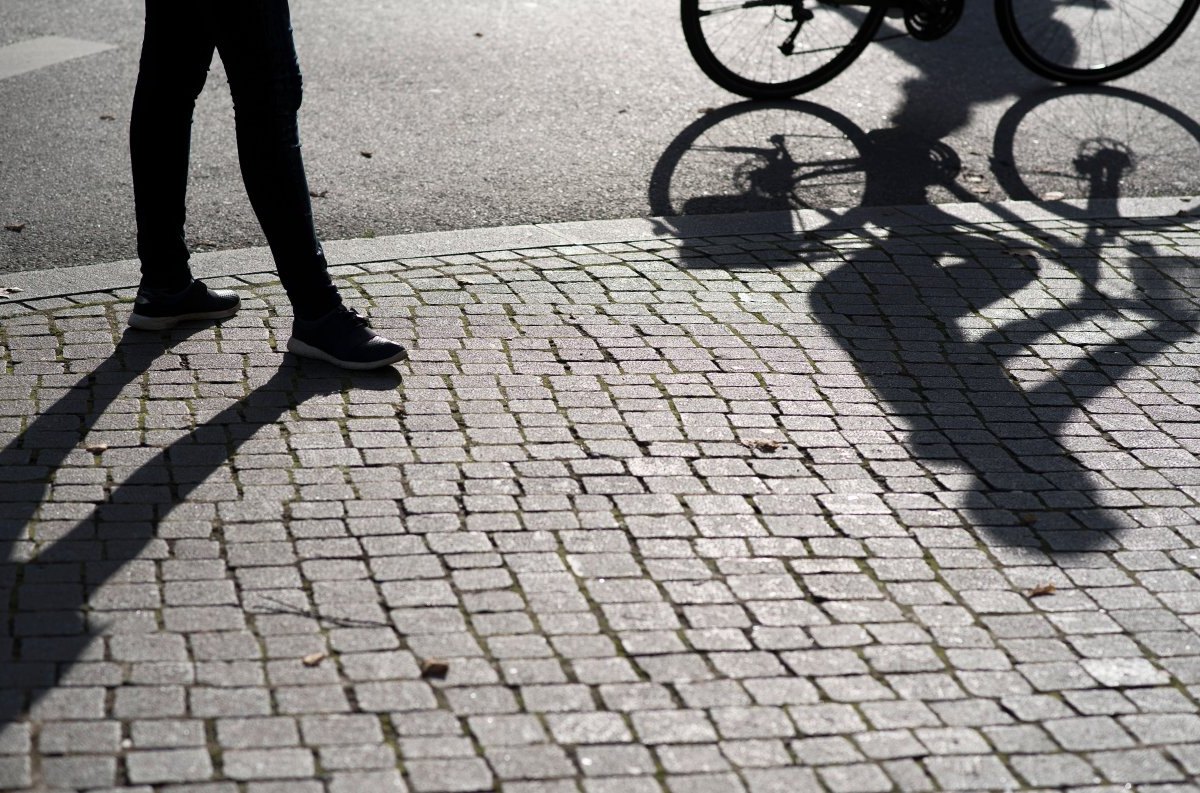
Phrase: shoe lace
[354,319]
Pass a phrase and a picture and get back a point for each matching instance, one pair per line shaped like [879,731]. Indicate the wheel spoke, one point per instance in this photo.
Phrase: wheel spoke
[1094,39]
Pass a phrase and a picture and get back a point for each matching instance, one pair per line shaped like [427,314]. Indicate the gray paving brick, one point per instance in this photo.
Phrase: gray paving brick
[15,739]
[779,780]
[672,726]
[82,737]
[341,729]
[168,765]
[274,763]
[355,781]
[615,760]
[530,762]
[970,772]
[79,771]
[1136,766]
[1055,771]
[256,733]
[446,776]
[167,734]
[16,772]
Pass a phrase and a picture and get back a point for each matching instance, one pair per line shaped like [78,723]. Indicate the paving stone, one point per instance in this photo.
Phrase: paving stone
[530,762]
[168,734]
[970,772]
[861,777]
[781,780]
[16,773]
[1139,766]
[588,728]
[276,763]
[620,760]
[79,771]
[1055,770]
[356,781]
[256,733]
[168,765]
[437,776]
[1089,734]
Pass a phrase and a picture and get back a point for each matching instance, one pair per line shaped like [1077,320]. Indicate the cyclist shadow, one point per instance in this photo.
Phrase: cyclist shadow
[57,557]
[1020,461]
[1002,432]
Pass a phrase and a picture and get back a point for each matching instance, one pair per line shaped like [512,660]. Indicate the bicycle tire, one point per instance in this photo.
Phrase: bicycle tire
[1032,39]
[736,77]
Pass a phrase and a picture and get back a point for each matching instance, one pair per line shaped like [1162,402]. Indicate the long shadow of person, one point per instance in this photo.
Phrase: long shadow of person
[51,568]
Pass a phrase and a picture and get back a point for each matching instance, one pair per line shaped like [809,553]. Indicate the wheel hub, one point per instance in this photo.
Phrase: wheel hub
[931,19]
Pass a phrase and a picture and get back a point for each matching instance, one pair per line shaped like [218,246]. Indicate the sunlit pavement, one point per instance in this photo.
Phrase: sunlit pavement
[896,500]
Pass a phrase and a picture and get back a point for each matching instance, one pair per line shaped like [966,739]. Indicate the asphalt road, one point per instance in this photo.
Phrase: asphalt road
[421,116]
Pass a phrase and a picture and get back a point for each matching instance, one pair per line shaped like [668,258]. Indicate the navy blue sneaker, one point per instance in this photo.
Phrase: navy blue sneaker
[156,309]
[343,338]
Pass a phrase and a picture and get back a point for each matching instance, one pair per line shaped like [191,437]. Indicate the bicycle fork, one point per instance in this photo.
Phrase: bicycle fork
[800,15]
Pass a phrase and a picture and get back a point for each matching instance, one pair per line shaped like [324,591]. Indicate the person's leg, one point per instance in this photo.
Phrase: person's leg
[176,53]
[255,42]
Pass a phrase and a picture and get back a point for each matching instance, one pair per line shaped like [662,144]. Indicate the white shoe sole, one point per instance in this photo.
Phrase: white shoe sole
[297,347]
[142,322]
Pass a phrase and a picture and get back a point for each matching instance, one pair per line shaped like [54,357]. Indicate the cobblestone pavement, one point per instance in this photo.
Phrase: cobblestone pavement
[908,509]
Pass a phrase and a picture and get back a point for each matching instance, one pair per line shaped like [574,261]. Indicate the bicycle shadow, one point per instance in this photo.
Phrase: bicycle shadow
[956,78]
[1022,462]
[54,561]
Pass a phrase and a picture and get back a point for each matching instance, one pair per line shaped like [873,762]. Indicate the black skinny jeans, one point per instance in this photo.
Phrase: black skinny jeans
[254,40]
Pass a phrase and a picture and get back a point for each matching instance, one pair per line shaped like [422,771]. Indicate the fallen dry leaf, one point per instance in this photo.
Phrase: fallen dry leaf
[107,117]
[314,659]
[763,445]
[1042,590]
[97,448]
[10,290]
[318,193]
[435,668]
[1053,195]
[367,154]
[16,227]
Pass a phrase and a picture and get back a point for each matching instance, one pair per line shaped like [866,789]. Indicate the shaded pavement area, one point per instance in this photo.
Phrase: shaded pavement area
[902,500]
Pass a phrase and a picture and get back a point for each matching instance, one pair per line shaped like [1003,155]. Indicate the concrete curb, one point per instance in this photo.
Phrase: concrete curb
[84,279]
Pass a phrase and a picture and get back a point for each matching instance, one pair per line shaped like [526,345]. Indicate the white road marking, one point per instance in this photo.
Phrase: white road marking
[26,56]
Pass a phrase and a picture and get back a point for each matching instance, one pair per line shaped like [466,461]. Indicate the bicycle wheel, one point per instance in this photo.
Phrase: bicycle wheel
[775,49]
[1091,41]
